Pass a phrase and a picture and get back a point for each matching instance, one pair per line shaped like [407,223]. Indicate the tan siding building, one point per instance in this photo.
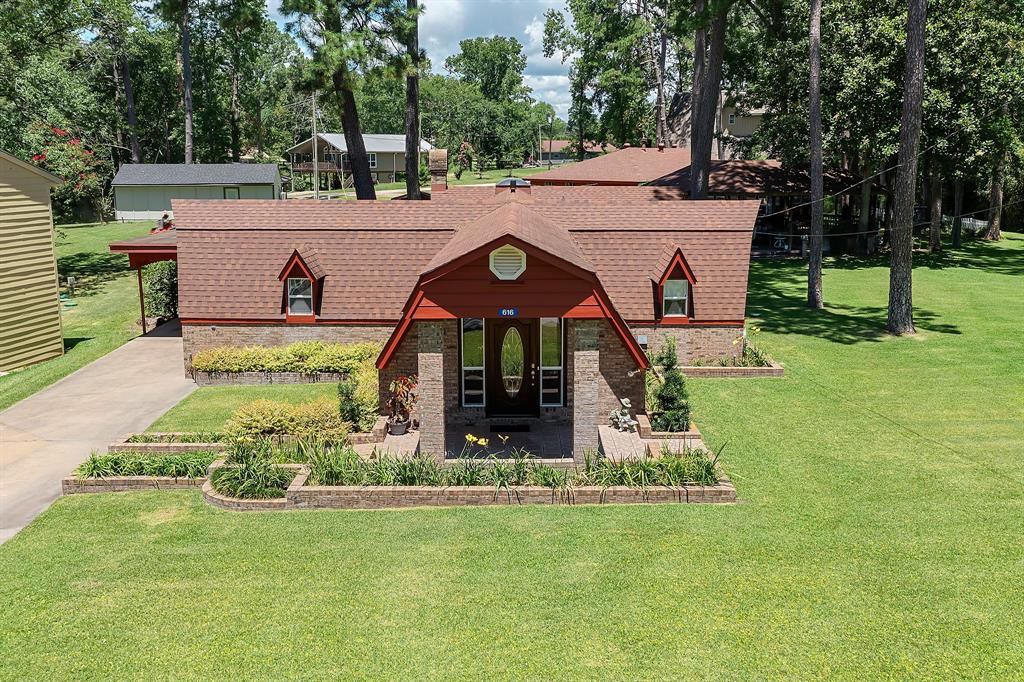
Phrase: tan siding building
[30,326]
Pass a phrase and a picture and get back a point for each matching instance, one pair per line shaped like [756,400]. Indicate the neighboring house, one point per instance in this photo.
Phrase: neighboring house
[144,191]
[386,155]
[523,305]
[560,151]
[30,325]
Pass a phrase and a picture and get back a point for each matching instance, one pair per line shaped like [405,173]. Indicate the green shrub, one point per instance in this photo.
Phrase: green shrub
[185,465]
[359,397]
[315,419]
[336,466]
[307,357]
[672,398]
[192,437]
[160,281]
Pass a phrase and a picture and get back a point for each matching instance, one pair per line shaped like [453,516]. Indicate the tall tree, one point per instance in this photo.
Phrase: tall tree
[412,105]
[707,84]
[180,12]
[901,307]
[995,203]
[241,20]
[494,63]
[814,298]
[935,208]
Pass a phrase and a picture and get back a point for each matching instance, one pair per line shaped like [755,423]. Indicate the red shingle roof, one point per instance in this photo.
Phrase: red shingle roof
[630,166]
[759,178]
[372,253]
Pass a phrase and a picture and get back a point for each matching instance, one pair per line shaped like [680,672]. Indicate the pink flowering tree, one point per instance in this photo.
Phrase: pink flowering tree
[84,172]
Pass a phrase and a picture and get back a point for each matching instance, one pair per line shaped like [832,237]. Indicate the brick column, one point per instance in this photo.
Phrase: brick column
[430,373]
[586,372]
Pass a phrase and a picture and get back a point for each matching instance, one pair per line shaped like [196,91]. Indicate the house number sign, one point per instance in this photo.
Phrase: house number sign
[508,312]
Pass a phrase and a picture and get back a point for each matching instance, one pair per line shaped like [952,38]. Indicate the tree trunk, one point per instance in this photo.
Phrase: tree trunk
[129,97]
[864,219]
[901,308]
[412,110]
[236,108]
[703,121]
[699,66]
[814,299]
[357,157]
[935,211]
[660,76]
[995,203]
[186,70]
[958,209]
[117,156]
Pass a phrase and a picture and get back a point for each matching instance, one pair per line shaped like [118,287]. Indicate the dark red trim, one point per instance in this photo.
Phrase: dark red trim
[254,321]
[686,320]
[293,261]
[677,262]
[396,336]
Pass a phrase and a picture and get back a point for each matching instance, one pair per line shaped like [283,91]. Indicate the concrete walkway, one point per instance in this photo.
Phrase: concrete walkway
[45,436]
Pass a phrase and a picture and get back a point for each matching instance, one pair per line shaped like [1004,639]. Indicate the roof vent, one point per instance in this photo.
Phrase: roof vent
[508,262]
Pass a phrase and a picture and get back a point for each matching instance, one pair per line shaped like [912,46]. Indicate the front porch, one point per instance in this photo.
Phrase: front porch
[505,438]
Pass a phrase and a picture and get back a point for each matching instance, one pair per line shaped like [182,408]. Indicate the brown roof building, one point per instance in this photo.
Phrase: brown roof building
[533,304]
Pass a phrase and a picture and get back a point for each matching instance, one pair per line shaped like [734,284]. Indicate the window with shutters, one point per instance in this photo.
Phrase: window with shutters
[508,262]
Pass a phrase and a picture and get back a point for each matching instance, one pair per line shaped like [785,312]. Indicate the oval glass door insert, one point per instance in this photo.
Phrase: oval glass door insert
[512,364]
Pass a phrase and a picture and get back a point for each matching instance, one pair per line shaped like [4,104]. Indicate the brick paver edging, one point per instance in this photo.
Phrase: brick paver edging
[118,484]
[301,496]
[648,433]
[693,372]
[256,378]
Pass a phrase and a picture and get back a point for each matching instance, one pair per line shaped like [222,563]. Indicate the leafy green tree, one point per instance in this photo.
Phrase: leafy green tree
[495,64]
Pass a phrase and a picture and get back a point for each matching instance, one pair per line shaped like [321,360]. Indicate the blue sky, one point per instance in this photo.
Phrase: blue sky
[445,22]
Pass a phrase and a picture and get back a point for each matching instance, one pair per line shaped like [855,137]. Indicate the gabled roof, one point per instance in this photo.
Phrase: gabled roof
[49,177]
[379,143]
[196,174]
[629,166]
[373,253]
[511,220]
[307,259]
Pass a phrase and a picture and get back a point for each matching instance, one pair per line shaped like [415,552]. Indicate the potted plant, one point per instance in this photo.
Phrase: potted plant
[400,404]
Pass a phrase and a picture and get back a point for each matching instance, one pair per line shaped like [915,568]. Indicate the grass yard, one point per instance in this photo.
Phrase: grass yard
[879,535]
[207,408]
[107,310]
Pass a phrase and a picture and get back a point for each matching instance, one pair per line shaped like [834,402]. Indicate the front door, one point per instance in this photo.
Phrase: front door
[511,368]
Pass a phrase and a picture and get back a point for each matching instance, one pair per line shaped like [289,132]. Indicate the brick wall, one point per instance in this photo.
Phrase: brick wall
[693,341]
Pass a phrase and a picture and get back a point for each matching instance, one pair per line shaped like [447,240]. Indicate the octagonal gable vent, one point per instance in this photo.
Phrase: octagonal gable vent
[508,262]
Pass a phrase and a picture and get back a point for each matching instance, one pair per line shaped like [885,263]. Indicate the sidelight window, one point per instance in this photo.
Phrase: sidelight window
[552,352]
[472,343]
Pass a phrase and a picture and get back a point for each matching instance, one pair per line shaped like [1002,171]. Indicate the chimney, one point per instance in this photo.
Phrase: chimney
[437,162]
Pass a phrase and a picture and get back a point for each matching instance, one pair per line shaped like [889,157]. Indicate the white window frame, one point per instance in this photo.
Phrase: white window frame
[560,368]
[732,119]
[289,297]
[685,298]
[462,362]
[373,159]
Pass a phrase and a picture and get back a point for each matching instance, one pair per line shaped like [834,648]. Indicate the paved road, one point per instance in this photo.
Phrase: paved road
[45,436]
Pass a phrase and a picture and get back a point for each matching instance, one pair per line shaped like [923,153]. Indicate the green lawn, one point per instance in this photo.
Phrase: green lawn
[879,535]
[107,310]
[207,408]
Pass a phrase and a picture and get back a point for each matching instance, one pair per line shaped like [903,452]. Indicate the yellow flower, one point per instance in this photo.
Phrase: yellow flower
[504,439]
[471,438]
[482,441]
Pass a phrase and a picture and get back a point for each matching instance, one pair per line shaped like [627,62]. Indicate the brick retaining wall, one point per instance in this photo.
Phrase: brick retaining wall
[118,484]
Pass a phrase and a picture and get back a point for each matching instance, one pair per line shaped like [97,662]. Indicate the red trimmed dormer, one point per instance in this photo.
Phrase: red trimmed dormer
[675,291]
[302,280]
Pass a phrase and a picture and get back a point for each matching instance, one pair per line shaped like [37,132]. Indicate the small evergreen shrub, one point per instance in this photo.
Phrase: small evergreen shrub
[306,357]
[160,282]
[673,400]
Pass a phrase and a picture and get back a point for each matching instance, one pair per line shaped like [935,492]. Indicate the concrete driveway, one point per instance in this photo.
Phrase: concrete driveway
[45,436]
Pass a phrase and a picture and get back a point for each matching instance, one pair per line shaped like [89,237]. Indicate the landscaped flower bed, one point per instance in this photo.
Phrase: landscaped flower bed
[132,470]
[339,478]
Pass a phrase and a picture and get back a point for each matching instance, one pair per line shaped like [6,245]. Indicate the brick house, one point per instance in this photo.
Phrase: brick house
[515,303]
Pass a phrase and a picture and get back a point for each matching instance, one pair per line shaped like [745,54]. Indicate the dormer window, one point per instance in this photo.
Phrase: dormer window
[507,262]
[300,296]
[675,300]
